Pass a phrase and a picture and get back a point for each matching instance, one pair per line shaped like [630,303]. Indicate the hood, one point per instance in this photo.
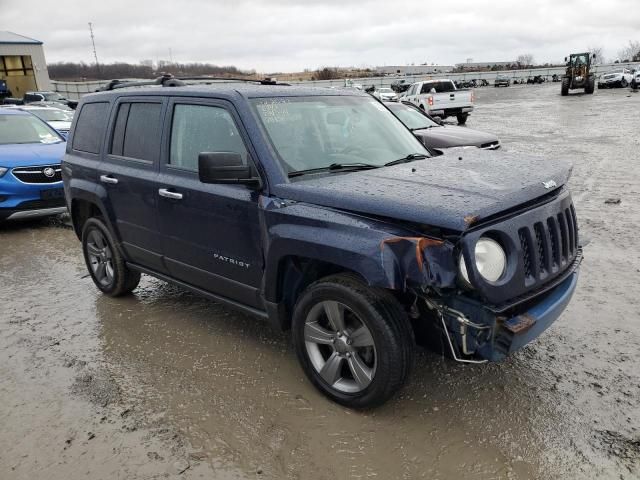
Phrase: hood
[60,124]
[444,191]
[447,136]
[31,154]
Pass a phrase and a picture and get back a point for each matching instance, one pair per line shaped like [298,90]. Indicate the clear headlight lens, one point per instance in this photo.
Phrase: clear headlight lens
[3,170]
[491,260]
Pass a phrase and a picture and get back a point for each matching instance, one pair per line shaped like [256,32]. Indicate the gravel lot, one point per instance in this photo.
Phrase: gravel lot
[166,384]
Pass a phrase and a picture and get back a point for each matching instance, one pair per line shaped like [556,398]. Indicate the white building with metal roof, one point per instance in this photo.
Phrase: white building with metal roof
[22,64]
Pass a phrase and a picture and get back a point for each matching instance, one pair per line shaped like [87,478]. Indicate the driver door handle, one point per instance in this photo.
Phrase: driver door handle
[108,179]
[164,192]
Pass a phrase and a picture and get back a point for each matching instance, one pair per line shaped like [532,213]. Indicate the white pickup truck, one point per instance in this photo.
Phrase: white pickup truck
[441,98]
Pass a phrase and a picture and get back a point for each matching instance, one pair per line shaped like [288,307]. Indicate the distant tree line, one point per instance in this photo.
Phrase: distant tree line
[146,69]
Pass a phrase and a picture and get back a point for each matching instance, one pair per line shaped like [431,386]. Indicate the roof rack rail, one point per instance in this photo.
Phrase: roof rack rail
[168,80]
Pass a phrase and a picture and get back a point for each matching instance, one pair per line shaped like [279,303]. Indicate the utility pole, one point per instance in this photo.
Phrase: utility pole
[93,42]
[170,56]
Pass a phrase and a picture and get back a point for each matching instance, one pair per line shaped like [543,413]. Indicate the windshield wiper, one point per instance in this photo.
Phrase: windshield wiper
[335,167]
[409,158]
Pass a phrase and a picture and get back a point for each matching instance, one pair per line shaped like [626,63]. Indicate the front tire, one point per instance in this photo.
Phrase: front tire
[354,342]
[104,260]
[462,118]
[590,86]
[564,90]
[624,83]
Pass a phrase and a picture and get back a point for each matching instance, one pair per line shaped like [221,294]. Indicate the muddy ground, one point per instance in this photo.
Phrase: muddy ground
[164,384]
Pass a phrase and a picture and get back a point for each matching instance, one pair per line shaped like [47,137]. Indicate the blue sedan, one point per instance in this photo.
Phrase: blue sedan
[30,172]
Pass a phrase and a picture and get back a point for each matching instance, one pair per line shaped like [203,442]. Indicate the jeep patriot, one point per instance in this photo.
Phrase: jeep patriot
[319,211]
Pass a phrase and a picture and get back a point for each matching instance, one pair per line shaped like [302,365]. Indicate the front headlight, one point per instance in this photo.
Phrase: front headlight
[3,170]
[491,260]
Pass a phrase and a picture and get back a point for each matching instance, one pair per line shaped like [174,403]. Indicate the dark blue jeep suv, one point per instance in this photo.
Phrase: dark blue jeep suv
[319,211]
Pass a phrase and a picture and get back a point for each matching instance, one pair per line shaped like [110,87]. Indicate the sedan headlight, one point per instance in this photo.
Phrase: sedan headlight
[3,170]
[491,260]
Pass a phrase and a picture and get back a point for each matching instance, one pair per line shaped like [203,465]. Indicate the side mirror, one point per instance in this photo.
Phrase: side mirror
[438,120]
[224,167]
[565,59]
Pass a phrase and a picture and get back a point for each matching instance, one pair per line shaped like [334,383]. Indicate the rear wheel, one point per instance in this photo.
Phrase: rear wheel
[104,260]
[355,343]
[564,90]
[462,118]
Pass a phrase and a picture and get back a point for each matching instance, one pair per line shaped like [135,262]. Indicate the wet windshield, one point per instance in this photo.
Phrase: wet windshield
[320,131]
[413,119]
[25,129]
[53,115]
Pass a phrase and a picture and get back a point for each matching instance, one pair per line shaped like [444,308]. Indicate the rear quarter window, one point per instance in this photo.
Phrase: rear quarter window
[137,131]
[90,126]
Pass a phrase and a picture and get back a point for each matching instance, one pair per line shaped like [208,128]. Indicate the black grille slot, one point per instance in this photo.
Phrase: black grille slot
[575,227]
[541,246]
[526,252]
[564,236]
[553,239]
[38,175]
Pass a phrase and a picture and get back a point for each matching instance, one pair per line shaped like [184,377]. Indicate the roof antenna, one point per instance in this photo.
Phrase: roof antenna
[95,55]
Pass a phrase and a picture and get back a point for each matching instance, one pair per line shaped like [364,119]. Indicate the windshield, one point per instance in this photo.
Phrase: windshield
[53,115]
[25,129]
[318,131]
[413,119]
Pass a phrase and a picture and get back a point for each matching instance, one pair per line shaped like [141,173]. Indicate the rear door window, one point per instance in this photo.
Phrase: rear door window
[136,133]
[90,126]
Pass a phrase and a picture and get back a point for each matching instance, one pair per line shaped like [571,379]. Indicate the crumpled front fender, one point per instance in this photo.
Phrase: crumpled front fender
[418,261]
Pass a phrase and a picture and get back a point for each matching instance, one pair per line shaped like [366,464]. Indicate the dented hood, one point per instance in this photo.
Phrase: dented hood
[445,191]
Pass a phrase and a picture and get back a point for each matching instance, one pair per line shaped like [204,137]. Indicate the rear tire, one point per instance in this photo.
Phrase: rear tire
[104,260]
[354,342]
[564,90]
[462,118]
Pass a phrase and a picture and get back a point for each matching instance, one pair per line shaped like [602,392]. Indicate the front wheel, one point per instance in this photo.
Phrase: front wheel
[104,260]
[590,86]
[462,118]
[624,83]
[355,343]
[564,90]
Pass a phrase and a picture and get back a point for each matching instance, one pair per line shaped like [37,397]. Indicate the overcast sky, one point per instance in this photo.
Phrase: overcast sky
[290,35]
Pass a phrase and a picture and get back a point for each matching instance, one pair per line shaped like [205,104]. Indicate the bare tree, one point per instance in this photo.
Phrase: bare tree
[630,53]
[326,73]
[597,51]
[525,60]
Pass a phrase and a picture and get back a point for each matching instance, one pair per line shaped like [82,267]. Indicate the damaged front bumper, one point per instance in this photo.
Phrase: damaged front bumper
[476,334]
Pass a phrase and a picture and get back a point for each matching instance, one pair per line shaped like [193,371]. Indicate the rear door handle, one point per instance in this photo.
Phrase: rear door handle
[108,179]
[163,192]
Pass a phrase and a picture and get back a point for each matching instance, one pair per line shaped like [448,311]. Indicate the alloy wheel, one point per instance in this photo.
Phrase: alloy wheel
[340,346]
[100,257]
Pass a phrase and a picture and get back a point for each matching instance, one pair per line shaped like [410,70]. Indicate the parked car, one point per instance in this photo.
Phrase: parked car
[441,98]
[635,82]
[4,89]
[502,81]
[56,117]
[38,97]
[30,176]
[385,94]
[435,135]
[318,210]
[620,77]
